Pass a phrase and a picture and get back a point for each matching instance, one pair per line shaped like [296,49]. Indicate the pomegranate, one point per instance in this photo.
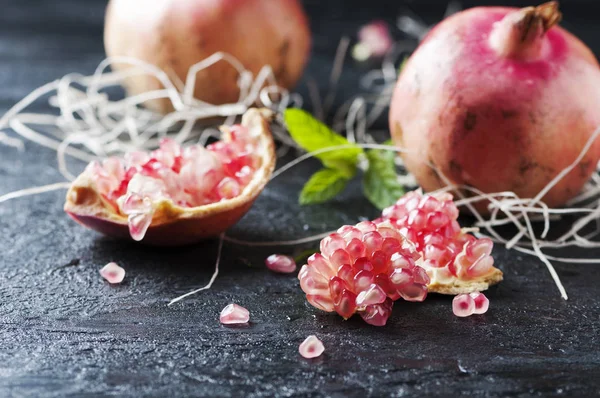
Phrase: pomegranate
[455,261]
[363,268]
[500,99]
[177,195]
[176,34]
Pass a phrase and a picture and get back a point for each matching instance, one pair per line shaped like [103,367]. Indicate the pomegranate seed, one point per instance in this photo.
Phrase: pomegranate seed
[332,243]
[234,314]
[481,303]
[463,305]
[280,263]
[346,305]
[356,248]
[362,280]
[401,276]
[339,258]
[373,295]
[378,314]
[228,188]
[373,241]
[322,302]
[311,347]
[138,225]
[112,273]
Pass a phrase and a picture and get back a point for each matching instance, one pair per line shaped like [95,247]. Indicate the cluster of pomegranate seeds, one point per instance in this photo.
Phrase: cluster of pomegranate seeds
[112,273]
[189,177]
[430,222]
[311,347]
[470,303]
[234,314]
[281,263]
[363,268]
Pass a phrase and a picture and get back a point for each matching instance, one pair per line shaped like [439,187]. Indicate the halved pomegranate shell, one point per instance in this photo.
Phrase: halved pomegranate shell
[173,224]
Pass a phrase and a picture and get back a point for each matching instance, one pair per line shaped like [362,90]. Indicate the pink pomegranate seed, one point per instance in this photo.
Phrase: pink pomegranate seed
[481,303]
[228,188]
[138,225]
[234,314]
[463,305]
[373,295]
[112,273]
[311,347]
[332,243]
[378,314]
[281,263]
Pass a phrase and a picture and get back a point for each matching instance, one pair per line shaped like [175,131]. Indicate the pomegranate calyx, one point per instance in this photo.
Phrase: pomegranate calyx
[519,34]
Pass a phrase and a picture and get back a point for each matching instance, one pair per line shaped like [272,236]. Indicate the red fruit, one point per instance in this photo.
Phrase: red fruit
[455,262]
[337,280]
[176,34]
[170,198]
[501,99]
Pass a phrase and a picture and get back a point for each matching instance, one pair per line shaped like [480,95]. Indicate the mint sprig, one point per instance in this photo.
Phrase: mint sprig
[324,185]
[380,181]
[312,135]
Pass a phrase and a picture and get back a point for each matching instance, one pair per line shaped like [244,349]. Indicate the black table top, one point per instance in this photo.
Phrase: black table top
[65,332]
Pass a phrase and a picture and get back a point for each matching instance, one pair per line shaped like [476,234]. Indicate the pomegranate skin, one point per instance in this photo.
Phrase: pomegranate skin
[176,34]
[183,231]
[497,122]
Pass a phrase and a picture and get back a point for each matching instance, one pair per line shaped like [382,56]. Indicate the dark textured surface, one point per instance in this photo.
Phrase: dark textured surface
[64,331]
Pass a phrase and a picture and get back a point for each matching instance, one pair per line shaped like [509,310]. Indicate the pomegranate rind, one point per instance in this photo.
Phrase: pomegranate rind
[172,224]
[458,286]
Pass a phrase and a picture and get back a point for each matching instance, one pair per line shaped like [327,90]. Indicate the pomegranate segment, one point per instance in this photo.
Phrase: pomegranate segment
[363,269]
[455,261]
[311,347]
[113,273]
[177,195]
[234,314]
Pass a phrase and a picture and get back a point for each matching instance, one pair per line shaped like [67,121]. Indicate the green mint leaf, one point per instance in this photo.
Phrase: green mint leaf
[312,135]
[322,186]
[380,181]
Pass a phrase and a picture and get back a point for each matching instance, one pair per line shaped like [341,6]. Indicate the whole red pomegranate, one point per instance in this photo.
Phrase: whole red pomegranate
[501,99]
[176,34]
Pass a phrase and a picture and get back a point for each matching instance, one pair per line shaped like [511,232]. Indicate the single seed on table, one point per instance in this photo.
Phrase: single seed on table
[281,263]
[112,273]
[312,347]
[463,305]
[481,302]
[234,314]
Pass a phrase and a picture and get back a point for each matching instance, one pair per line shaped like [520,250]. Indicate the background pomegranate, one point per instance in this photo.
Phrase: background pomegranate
[175,34]
[500,99]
